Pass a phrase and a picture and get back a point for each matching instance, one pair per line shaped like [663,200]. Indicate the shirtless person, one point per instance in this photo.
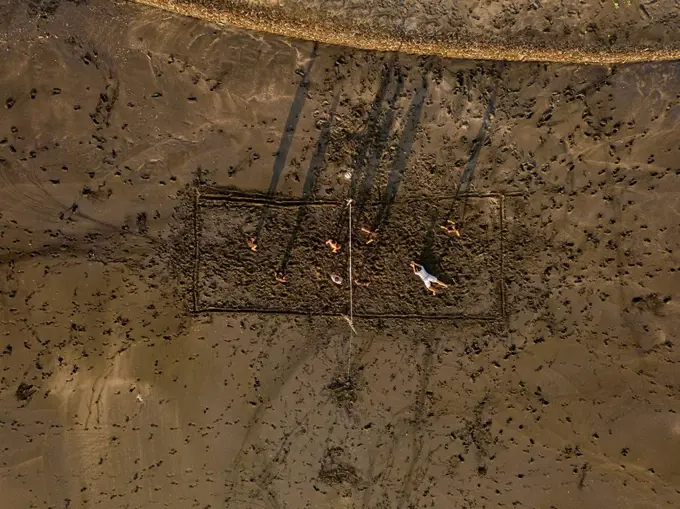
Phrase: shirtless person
[450,227]
[427,278]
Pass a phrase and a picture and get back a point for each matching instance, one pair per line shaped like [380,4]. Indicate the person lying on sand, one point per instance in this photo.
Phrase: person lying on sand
[371,234]
[335,247]
[450,227]
[252,243]
[427,278]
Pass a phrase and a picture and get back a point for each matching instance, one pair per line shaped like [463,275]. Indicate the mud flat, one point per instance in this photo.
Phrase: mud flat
[150,358]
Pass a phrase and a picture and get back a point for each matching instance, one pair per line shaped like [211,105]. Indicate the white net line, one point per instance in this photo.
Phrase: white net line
[350,319]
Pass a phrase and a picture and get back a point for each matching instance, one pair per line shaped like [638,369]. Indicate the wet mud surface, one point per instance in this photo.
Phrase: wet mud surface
[150,358]
[293,266]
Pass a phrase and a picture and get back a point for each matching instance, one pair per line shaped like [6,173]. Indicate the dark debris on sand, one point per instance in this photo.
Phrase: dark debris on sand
[25,392]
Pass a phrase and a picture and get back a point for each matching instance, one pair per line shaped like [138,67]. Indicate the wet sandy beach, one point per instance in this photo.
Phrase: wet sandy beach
[151,358]
[573,31]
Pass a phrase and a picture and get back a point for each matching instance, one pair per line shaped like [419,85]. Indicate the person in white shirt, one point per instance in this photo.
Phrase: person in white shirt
[427,278]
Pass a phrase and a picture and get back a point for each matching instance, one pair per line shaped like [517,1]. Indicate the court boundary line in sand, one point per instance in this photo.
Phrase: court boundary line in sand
[276,21]
[255,200]
[366,316]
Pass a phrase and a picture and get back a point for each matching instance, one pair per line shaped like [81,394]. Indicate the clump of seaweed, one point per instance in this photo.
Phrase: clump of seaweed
[334,471]
[343,390]
[25,392]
